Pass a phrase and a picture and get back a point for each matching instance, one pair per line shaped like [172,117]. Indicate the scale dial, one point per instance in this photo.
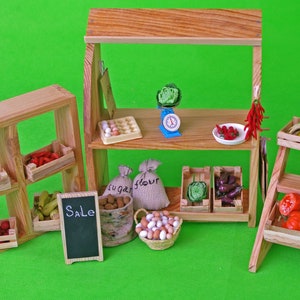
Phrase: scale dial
[171,122]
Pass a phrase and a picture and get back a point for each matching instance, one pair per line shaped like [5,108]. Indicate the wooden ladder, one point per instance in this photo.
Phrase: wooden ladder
[269,231]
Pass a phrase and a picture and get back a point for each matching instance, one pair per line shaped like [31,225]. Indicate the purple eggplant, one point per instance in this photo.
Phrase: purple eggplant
[226,201]
[235,192]
[231,179]
[226,188]
[224,176]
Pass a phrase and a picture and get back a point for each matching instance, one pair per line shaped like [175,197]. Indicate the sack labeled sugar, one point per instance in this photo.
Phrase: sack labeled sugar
[148,190]
[121,184]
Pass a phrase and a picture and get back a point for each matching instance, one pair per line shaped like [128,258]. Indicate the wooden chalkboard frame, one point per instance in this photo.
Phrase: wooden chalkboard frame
[76,218]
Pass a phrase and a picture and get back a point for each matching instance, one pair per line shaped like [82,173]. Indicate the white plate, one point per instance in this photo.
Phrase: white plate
[238,140]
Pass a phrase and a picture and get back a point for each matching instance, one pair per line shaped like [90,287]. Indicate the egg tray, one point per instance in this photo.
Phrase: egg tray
[127,127]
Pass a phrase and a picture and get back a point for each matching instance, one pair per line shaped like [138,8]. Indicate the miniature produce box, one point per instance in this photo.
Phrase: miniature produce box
[283,224]
[45,214]
[195,189]
[227,189]
[47,160]
[8,233]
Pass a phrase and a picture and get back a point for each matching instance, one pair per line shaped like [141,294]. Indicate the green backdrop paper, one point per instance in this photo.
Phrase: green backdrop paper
[42,44]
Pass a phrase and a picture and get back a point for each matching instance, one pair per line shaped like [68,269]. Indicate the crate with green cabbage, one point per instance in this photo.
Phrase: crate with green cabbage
[195,189]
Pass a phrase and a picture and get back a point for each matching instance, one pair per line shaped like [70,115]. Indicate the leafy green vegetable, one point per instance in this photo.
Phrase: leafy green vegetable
[197,191]
[168,96]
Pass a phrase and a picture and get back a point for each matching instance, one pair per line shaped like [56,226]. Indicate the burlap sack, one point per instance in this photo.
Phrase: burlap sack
[148,190]
[121,184]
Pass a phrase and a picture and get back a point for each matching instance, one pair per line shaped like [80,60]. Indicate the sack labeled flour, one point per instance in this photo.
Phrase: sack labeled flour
[121,184]
[148,190]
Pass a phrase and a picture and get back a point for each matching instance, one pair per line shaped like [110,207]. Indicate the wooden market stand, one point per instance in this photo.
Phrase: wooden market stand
[169,26]
[15,110]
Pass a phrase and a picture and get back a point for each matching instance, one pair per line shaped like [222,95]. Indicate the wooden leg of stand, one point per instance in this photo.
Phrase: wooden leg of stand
[261,246]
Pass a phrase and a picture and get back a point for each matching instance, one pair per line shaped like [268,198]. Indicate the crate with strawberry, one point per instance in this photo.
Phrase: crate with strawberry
[48,160]
[8,233]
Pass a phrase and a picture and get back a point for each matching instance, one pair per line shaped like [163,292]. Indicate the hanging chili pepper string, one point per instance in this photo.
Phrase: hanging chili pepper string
[254,119]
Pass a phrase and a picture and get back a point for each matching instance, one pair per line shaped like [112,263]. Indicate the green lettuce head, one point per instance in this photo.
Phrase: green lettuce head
[168,96]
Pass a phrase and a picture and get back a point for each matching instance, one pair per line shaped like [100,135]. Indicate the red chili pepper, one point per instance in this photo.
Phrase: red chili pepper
[254,119]
[290,202]
[293,221]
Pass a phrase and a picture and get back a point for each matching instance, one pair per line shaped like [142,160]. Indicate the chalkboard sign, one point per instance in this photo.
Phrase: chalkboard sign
[80,226]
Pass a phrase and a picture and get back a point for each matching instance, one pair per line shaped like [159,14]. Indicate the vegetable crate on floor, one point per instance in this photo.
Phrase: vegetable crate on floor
[9,237]
[47,224]
[275,233]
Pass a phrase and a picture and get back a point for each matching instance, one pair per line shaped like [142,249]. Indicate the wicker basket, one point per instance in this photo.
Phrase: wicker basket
[157,244]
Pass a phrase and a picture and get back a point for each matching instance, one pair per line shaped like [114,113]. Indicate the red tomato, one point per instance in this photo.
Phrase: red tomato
[290,202]
[293,221]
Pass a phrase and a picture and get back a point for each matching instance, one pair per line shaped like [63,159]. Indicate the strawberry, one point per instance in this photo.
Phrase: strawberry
[5,225]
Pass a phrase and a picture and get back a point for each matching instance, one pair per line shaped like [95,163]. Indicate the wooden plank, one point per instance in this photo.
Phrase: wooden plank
[261,246]
[196,129]
[289,183]
[188,26]
[31,104]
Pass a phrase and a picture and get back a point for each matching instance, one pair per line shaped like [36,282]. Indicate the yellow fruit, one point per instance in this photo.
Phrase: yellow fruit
[43,199]
[49,207]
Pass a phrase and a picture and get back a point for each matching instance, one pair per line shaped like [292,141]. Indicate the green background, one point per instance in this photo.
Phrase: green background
[42,44]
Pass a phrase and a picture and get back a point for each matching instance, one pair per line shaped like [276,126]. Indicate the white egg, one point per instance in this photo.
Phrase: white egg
[143,233]
[149,217]
[151,224]
[162,235]
[164,220]
[154,228]
[158,223]
[175,224]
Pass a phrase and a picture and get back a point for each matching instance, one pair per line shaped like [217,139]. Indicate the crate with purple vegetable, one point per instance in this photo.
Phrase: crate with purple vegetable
[195,189]
[227,189]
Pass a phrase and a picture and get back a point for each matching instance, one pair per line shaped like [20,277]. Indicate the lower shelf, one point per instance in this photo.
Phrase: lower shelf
[174,207]
[174,195]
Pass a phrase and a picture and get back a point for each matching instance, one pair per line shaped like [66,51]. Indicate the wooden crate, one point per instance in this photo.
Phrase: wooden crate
[45,225]
[238,202]
[5,183]
[274,233]
[285,139]
[188,176]
[10,240]
[66,158]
